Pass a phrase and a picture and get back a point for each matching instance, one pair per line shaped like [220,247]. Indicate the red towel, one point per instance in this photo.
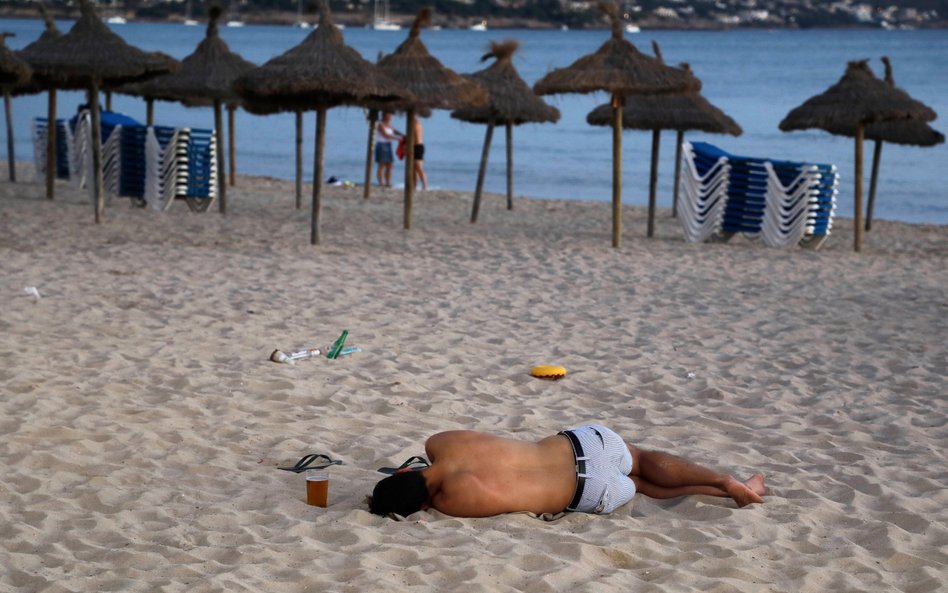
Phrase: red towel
[400,151]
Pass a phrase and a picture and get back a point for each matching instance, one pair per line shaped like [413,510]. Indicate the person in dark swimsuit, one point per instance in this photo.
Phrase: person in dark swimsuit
[420,175]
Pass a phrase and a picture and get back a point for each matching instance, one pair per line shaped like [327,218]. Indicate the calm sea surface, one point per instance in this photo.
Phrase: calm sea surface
[756,77]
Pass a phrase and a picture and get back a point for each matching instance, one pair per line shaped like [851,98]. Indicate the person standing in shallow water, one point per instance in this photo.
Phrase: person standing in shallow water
[384,156]
[586,469]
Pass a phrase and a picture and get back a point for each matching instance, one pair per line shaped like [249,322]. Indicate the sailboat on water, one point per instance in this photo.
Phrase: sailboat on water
[235,22]
[188,20]
[300,23]
[382,20]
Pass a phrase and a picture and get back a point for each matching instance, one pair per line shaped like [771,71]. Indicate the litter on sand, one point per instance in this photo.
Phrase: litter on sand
[332,351]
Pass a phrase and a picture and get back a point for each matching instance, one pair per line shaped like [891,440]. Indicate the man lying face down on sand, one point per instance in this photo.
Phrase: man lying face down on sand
[587,469]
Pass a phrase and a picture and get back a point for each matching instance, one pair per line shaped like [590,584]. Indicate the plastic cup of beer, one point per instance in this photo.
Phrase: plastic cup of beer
[317,490]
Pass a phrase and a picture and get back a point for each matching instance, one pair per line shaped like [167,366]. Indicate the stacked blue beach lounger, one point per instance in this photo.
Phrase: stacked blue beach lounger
[182,165]
[63,147]
[784,203]
[155,164]
[201,161]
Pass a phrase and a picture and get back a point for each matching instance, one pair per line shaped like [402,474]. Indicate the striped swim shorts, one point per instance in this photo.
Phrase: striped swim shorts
[603,464]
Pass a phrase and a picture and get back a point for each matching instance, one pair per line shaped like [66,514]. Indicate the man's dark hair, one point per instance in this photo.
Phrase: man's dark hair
[402,494]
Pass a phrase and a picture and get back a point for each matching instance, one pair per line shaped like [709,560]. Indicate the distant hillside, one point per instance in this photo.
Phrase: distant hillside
[652,14]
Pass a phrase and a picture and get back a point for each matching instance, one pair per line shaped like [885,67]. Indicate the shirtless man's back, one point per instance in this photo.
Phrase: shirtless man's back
[538,477]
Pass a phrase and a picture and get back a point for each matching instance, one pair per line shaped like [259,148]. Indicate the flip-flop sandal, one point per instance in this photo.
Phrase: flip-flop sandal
[312,461]
[412,463]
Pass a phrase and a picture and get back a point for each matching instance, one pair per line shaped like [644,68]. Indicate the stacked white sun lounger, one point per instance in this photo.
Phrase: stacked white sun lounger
[703,195]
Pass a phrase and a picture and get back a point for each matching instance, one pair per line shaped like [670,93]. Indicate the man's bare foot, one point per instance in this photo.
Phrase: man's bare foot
[747,493]
[756,483]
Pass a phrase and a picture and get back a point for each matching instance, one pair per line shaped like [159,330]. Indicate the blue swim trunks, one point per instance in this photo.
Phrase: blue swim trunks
[603,465]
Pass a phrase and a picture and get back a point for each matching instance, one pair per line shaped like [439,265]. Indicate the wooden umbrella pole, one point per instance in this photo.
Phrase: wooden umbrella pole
[318,173]
[679,140]
[653,182]
[509,165]
[373,119]
[857,235]
[231,144]
[482,170]
[8,108]
[409,165]
[97,153]
[616,170]
[873,180]
[221,175]
[108,100]
[299,160]
[51,146]
[150,111]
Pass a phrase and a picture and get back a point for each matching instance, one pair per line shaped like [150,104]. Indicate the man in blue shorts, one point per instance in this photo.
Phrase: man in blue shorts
[587,469]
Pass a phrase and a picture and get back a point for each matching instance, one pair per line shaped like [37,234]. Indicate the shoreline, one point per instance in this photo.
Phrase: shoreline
[273,190]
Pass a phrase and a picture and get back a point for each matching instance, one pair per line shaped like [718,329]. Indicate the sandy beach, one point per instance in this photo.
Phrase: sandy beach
[142,423]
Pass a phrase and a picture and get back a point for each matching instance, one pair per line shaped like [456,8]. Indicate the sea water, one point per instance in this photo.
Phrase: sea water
[755,76]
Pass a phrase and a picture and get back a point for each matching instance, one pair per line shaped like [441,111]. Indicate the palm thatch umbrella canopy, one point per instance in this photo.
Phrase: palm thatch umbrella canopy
[619,69]
[433,86]
[906,132]
[50,34]
[13,71]
[677,111]
[319,73]
[856,100]
[87,57]
[511,102]
[206,78]
[146,90]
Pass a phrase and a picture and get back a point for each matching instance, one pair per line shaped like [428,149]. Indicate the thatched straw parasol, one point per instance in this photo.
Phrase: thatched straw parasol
[13,71]
[319,73]
[677,111]
[511,102]
[620,69]
[206,78]
[434,87]
[49,35]
[87,57]
[907,132]
[858,99]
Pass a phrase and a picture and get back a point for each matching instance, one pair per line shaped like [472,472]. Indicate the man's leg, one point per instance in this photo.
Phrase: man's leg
[661,475]
[420,174]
